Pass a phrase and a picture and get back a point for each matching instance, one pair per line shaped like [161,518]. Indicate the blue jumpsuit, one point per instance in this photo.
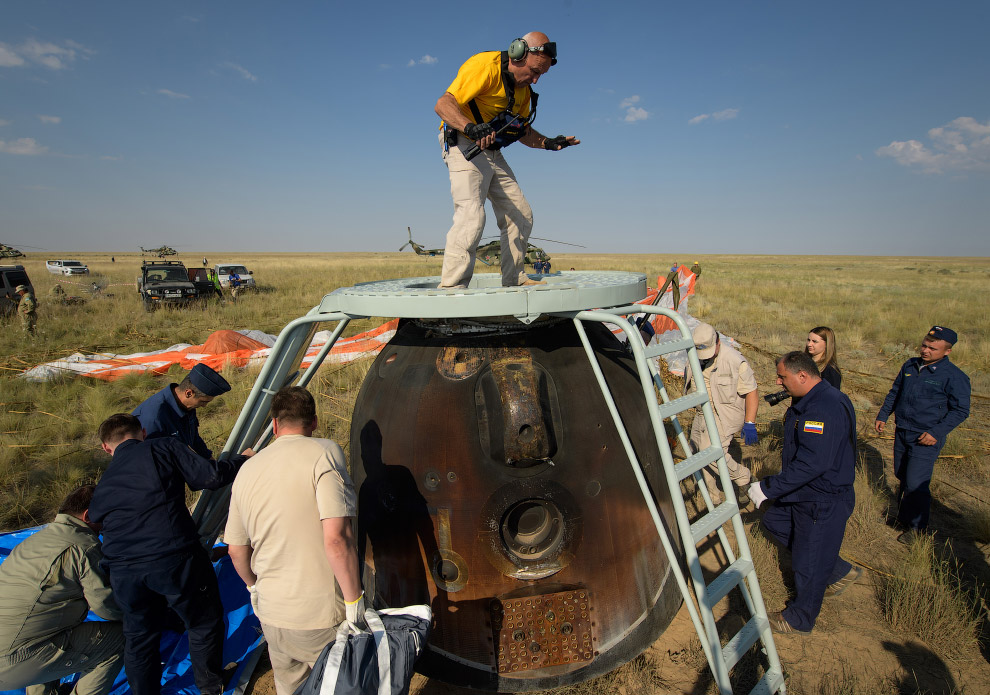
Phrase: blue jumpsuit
[163,416]
[930,398]
[156,561]
[813,496]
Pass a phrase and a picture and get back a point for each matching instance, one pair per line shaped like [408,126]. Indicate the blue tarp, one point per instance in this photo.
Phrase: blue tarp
[241,647]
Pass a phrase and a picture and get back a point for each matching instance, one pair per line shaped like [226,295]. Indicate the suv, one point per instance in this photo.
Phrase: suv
[67,267]
[10,277]
[165,283]
[225,269]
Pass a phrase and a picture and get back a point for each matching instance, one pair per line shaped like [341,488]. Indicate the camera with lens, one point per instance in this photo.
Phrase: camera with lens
[775,398]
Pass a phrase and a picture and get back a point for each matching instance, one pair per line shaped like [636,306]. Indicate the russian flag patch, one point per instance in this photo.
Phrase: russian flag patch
[815,427]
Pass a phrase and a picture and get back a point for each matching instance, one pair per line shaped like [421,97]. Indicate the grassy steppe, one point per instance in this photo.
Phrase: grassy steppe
[918,624]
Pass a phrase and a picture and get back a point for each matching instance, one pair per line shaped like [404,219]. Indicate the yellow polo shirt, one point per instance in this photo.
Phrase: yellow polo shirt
[480,78]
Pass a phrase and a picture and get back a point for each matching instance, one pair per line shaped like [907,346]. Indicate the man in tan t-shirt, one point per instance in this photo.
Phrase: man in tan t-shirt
[291,540]
[731,387]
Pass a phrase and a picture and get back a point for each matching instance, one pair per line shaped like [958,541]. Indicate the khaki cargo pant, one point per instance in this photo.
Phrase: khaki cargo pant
[486,177]
[700,439]
[293,653]
[96,650]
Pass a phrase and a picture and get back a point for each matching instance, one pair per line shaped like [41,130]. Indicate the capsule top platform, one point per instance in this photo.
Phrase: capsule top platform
[419,298]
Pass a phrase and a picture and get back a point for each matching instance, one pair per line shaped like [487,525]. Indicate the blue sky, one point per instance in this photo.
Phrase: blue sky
[715,127]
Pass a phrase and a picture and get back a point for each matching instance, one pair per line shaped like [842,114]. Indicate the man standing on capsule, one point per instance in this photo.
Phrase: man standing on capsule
[490,105]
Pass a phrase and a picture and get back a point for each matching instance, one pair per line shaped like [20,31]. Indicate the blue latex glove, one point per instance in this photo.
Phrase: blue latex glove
[749,433]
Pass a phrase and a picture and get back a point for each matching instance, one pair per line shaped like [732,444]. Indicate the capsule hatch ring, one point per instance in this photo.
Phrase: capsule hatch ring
[532,529]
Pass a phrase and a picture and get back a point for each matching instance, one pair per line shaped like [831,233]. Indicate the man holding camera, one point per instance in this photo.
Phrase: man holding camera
[731,387]
[930,397]
[489,106]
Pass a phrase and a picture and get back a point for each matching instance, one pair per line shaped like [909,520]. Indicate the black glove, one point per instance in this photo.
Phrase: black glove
[478,131]
[557,143]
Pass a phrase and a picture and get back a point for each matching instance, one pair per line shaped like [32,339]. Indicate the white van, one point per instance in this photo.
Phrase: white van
[225,269]
[67,267]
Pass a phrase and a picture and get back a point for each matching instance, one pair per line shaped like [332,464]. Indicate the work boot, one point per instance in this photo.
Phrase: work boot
[742,496]
[779,624]
[852,576]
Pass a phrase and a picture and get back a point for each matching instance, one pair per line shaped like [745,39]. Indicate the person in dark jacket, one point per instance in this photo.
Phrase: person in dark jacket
[930,397]
[51,581]
[153,550]
[172,411]
[821,347]
[813,493]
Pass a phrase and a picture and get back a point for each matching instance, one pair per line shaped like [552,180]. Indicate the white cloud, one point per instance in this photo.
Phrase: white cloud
[3,122]
[9,57]
[51,55]
[240,70]
[961,145]
[26,146]
[425,60]
[635,113]
[111,158]
[54,120]
[172,95]
[384,66]
[723,115]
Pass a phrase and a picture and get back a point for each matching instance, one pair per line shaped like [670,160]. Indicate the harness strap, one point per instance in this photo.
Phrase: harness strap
[509,82]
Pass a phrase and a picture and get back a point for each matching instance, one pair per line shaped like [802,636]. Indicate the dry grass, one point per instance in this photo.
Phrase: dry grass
[923,595]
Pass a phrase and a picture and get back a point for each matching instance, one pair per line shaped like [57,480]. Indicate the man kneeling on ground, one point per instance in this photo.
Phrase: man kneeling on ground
[50,581]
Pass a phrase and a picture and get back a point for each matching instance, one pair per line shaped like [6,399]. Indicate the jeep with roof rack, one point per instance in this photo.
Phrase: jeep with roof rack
[165,283]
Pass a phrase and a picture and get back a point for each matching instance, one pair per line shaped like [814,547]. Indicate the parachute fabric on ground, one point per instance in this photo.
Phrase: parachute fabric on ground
[224,347]
[242,644]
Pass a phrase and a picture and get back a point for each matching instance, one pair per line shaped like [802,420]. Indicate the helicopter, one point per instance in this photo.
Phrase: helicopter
[9,252]
[161,251]
[420,250]
[490,253]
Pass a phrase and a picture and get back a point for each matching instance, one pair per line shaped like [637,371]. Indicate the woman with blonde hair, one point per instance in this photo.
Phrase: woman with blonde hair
[821,347]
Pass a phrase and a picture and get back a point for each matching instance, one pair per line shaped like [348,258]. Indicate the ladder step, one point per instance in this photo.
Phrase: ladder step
[731,577]
[694,463]
[667,347]
[771,682]
[679,405]
[740,643]
[712,520]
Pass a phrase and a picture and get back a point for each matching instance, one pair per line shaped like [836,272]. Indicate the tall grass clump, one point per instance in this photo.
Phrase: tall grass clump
[866,529]
[923,595]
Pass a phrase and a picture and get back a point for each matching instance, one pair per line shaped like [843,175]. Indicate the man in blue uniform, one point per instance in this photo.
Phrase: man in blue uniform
[172,411]
[813,493]
[930,397]
[153,549]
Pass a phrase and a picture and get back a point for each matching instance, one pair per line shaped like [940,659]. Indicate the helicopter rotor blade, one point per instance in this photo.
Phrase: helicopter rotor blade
[565,243]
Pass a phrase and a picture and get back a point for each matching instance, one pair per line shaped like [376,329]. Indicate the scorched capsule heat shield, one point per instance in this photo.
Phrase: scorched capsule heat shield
[494,486]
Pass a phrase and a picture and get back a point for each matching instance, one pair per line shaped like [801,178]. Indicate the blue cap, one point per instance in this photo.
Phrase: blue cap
[943,333]
[208,381]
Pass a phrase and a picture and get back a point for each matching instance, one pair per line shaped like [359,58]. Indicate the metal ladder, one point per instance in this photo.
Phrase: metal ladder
[740,572]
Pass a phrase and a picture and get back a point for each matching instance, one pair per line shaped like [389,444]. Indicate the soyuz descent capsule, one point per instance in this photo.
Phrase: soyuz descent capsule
[493,486]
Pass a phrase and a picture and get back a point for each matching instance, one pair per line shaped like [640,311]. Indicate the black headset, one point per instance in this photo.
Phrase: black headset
[519,48]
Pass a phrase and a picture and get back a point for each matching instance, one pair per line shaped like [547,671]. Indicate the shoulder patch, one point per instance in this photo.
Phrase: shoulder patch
[815,427]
